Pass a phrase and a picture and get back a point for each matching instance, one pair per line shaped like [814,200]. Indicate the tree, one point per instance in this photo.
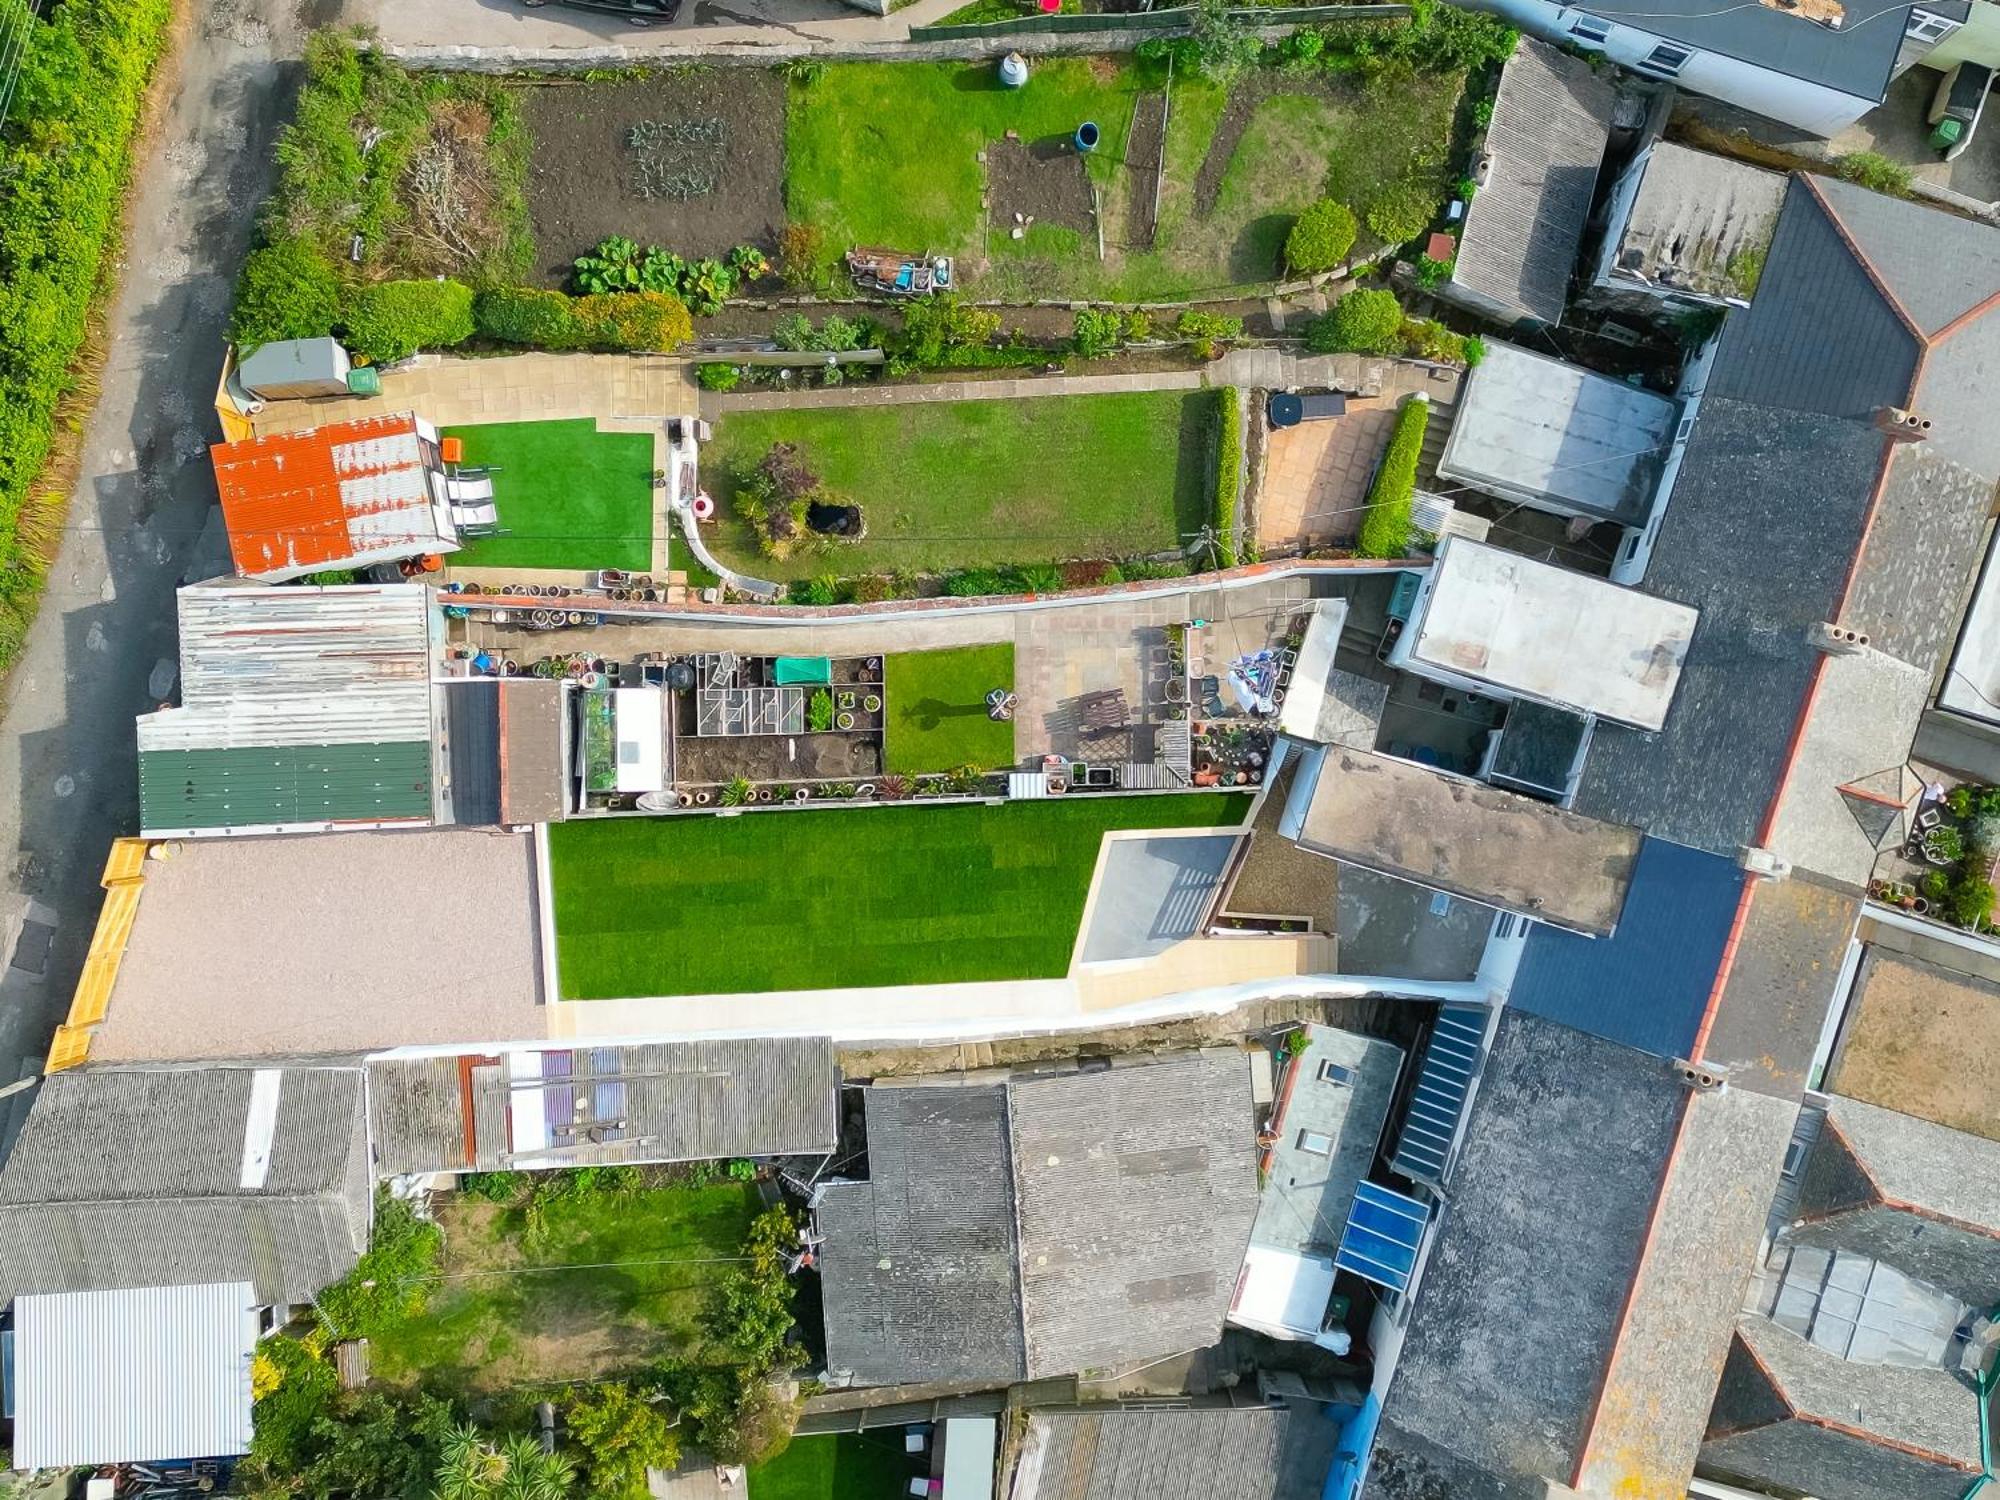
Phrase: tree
[621,1437]
[1365,321]
[734,1415]
[287,290]
[1320,238]
[375,1447]
[473,1467]
[753,1309]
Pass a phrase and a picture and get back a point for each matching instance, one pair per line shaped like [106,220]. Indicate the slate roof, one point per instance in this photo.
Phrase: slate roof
[132,1177]
[1523,228]
[1200,1453]
[1041,1226]
[1792,1416]
[1647,984]
[672,1101]
[1859,308]
[1857,59]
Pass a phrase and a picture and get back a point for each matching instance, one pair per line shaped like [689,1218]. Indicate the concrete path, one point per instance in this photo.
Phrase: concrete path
[141,520]
[713,405]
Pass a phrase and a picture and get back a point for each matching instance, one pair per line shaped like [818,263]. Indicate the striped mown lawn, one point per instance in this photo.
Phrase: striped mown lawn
[898,894]
[568,495]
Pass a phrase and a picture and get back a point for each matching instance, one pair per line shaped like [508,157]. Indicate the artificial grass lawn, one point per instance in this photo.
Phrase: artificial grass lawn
[485,1332]
[886,153]
[571,496]
[936,707]
[964,483]
[905,893]
[843,1466]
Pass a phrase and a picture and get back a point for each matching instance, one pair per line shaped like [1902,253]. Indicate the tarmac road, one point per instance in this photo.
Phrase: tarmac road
[141,518]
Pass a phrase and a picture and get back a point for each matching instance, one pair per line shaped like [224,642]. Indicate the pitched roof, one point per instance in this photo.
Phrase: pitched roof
[349,492]
[300,707]
[1647,984]
[1306,1194]
[1199,1453]
[661,1101]
[1857,59]
[920,1262]
[133,1375]
[1791,507]
[1042,1226]
[1551,118]
[140,1177]
[1699,222]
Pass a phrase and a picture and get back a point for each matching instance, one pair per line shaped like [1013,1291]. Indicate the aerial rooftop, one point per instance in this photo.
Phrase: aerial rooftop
[1698,223]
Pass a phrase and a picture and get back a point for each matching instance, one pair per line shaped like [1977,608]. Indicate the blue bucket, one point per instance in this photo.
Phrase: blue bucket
[1087,136]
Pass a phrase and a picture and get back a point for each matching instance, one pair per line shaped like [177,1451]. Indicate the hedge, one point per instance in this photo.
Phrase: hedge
[1228,473]
[287,290]
[68,151]
[1385,531]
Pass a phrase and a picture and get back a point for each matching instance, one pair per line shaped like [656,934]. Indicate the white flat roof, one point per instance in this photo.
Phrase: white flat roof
[1543,632]
[1282,1291]
[1972,686]
[970,1444]
[133,1376]
[642,738]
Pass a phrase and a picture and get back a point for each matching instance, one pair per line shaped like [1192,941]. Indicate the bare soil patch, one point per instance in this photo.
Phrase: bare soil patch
[694,161]
[1253,89]
[1145,144]
[1041,181]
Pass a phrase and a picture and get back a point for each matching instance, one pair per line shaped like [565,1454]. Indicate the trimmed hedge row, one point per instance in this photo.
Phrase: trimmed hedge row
[1385,531]
[68,150]
[1228,473]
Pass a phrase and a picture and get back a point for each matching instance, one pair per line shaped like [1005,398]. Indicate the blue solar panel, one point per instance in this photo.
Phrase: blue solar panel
[1450,1060]
[1382,1235]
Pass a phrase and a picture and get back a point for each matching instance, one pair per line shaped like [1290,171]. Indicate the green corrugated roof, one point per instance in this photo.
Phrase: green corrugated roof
[284,784]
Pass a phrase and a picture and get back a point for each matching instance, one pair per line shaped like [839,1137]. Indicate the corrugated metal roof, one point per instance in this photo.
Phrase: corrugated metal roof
[321,699]
[133,1375]
[346,492]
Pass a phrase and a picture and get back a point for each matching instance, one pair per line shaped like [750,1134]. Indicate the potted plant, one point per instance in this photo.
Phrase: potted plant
[846,700]
[1944,845]
[871,704]
[737,792]
[844,721]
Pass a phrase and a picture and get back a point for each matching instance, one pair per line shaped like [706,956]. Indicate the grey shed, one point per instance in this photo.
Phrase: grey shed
[293,369]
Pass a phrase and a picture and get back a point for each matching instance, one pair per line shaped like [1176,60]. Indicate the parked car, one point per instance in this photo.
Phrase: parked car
[632,12]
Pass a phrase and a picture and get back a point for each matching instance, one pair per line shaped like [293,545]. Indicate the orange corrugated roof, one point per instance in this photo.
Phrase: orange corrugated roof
[282,499]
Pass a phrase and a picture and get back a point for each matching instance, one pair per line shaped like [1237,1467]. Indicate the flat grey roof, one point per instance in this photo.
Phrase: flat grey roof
[1155,893]
[337,942]
[1469,840]
[1556,436]
[1700,223]
[1304,1204]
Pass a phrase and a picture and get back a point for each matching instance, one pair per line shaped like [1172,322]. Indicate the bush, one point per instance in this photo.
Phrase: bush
[389,1284]
[1426,339]
[646,322]
[1206,331]
[1971,901]
[753,1308]
[1442,38]
[1228,473]
[394,319]
[731,1413]
[383,1446]
[1097,332]
[1402,211]
[1365,321]
[1385,531]
[801,256]
[1320,238]
[83,73]
[299,1386]
[717,377]
[1874,171]
[940,329]
[525,315]
[1433,273]
[621,1437]
[287,290]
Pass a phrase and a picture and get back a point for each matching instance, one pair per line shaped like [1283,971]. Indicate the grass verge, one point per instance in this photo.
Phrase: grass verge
[612,1283]
[936,706]
[568,495]
[898,894]
[968,483]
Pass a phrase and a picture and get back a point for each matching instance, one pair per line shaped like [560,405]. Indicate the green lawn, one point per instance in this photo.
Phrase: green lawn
[965,483]
[846,1466]
[936,706]
[494,1323]
[571,496]
[898,894]
[887,153]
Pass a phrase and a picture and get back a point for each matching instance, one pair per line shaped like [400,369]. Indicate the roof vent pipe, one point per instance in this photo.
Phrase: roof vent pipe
[1837,640]
[1901,425]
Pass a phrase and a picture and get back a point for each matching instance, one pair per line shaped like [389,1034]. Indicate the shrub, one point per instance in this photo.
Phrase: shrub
[1364,321]
[819,591]
[717,377]
[328,578]
[525,315]
[1402,211]
[394,319]
[1385,531]
[753,1306]
[380,1445]
[1426,339]
[299,1389]
[1206,331]
[287,290]
[1433,273]
[941,328]
[1874,171]
[1982,834]
[1442,38]
[647,322]
[971,583]
[1039,578]
[1096,332]
[1936,886]
[621,1436]
[390,1283]
[1228,473]
[1320,238]
[1217,44]
[801,256]
[732,1414]
[1971,901]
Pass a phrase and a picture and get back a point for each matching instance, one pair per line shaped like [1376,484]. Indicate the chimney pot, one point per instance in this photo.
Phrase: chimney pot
[1902,425]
